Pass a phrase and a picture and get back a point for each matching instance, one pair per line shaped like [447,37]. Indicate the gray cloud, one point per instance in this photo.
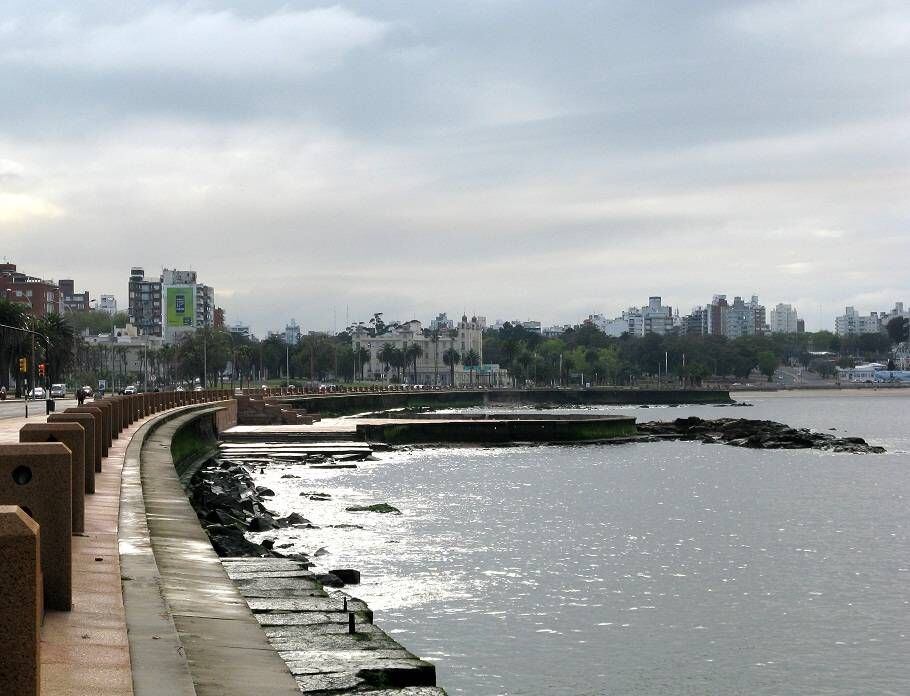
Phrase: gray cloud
[527,159]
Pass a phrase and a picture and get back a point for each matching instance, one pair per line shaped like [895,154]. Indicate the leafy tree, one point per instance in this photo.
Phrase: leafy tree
[898,329]
[767,364]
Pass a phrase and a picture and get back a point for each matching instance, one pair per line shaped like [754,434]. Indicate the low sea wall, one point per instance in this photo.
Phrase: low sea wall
[348,403]
[489,431]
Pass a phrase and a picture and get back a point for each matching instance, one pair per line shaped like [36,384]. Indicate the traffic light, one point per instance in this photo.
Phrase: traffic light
[23,366]
[41,369]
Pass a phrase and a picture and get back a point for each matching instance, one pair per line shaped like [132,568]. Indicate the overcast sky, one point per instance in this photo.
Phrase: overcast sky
[540,160]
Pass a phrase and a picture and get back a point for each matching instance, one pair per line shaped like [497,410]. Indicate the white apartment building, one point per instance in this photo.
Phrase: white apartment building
[852,323]
[431,368]
[292,333]
[784,319]
[107,303]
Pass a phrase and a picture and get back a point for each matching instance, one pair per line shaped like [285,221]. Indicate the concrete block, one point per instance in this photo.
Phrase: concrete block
[102,441]
[37,478]
[107,415]
[92,453]
[73,436]
[21,605]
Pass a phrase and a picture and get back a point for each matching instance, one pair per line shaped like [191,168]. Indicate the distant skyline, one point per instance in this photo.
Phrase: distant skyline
[512,159]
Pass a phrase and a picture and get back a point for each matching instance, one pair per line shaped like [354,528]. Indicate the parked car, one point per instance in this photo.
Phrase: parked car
[129,390]
[58,391]
[38,393]
[197,388]
[180,389]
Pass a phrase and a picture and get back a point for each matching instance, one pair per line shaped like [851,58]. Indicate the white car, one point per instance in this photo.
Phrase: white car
[129,390]
[38,393]
[58,391]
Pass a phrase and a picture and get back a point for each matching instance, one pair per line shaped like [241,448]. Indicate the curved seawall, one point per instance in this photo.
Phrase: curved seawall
[360,402]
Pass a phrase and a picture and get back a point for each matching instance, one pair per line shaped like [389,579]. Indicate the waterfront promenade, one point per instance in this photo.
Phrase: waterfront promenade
[86,651]
[152,608]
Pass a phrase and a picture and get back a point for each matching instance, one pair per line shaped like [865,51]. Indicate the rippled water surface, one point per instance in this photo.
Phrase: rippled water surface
[666,568]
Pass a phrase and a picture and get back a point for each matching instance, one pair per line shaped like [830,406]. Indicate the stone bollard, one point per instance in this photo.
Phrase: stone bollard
[37,479]
[101,444]
[120,402]
[114,416]
[21,604]
[92,452]
[73,436]
[107,427]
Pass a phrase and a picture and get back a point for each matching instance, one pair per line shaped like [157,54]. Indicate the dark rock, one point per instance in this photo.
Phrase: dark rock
[321,551]
[289,476]
[330,580]
[295,518]
[376,507]
[348,576]
[262,523]
[264,491]
[268,544]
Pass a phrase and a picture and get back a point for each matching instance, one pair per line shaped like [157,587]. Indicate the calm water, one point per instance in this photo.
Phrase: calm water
[670,568]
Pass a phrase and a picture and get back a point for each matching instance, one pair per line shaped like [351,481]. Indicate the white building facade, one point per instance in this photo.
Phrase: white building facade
[467,336]
[852,323]
[784,319]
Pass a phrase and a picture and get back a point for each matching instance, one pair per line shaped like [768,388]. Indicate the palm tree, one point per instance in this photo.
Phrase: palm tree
[411,355]
[12,314]
[451,357]
[471,360]
[59,344]
[433,335]
[387,355]
[363,359]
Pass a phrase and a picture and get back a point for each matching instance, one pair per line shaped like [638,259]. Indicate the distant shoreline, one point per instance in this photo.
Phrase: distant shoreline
[822,391]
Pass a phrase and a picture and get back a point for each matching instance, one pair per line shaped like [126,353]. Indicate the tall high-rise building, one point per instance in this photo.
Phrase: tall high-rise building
[145,302]
[170,306]
[784,319]
[292,333]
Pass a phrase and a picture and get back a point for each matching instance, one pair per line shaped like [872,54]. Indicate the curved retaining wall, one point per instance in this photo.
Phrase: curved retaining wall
[361,402]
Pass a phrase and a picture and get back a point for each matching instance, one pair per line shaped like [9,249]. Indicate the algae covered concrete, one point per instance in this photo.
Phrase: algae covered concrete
[506,429]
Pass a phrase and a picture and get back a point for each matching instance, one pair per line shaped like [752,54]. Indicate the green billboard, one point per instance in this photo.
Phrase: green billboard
[181,306]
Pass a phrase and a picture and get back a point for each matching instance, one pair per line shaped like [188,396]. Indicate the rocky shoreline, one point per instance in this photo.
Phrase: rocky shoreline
[754,434]
[229,505]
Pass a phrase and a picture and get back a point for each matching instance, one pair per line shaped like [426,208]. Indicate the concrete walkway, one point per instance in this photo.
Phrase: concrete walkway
[85,652]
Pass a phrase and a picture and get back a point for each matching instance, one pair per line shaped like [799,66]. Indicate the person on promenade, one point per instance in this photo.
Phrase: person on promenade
[80,396]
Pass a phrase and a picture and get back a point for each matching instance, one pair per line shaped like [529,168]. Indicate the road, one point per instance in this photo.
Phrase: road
[16,409]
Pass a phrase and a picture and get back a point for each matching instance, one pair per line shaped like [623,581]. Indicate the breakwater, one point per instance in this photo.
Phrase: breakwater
[347,403]
[328,640]
[497,430]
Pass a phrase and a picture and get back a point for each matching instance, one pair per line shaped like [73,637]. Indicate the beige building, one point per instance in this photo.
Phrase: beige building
[466,336]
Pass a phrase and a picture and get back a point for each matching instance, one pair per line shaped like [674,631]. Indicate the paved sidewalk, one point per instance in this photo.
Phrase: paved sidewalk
[85,652]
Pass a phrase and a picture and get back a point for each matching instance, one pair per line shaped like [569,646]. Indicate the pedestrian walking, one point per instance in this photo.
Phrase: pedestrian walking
[80,396]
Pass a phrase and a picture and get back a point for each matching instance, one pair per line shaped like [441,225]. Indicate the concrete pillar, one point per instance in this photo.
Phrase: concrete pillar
[92,452]
[100,443]
[116,416]
[37,479]
[107,414]
[21,604]
[73,436]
